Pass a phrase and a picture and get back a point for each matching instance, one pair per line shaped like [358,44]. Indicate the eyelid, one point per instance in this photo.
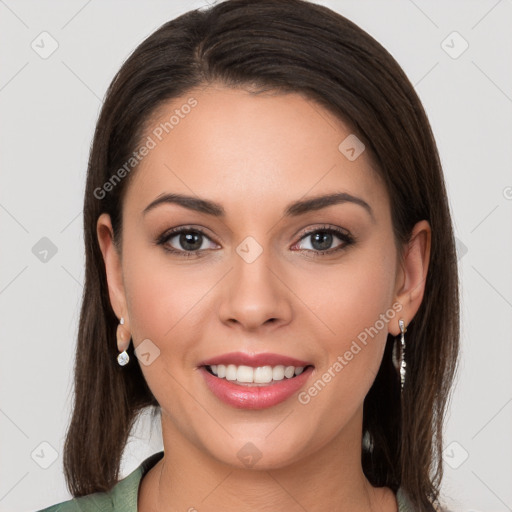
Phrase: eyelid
[183,228]
[324,227]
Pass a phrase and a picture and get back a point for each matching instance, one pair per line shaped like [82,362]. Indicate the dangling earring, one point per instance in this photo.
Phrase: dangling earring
[123,358]
[400,365]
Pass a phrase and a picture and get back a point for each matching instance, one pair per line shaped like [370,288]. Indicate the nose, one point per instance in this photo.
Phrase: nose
[255,295]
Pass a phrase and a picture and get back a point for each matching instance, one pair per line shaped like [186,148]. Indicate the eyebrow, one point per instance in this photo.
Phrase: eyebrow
[292,210]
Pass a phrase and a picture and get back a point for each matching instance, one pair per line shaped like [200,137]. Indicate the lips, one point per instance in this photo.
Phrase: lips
[251,395]
[254,360]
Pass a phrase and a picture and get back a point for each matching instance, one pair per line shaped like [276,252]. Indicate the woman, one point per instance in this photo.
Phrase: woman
[270,264]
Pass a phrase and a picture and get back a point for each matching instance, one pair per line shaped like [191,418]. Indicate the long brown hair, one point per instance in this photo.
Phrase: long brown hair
[284,46]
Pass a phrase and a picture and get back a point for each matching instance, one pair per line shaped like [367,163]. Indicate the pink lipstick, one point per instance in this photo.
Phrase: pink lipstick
[254,381]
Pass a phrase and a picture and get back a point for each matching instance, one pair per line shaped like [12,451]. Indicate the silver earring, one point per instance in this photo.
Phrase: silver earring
[399,363]
[123,358]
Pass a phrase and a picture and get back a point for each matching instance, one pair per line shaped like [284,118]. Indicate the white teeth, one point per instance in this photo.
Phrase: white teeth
[230,372]
[259,375]
[289,372]
[262,374]
[278,372]
[244,374]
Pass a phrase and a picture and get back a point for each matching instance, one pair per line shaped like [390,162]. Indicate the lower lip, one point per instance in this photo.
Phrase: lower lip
[254,397]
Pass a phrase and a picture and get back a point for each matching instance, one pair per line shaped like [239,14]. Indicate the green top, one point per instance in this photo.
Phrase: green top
[123,496]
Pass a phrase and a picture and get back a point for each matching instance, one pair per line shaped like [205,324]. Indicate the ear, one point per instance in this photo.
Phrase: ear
[113,269]
[410,283]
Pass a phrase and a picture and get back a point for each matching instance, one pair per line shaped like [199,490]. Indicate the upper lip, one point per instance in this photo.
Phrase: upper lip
[255,360]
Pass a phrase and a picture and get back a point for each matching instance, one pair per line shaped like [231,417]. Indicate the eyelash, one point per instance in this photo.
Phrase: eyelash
[342,235]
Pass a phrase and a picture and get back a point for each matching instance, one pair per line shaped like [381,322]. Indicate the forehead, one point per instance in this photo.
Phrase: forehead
[240,148]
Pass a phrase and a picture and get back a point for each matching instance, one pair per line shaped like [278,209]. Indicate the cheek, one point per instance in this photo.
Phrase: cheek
[162,296]
[354,303]
[351,296]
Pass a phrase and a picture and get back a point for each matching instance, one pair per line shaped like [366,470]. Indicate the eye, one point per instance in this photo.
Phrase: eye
[190,242]
[185,241]
[322,239]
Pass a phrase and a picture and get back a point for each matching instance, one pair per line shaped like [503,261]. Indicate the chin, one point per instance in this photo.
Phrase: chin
[259,452]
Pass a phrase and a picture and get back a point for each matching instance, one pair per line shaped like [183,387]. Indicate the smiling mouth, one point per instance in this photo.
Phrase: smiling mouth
[255,376]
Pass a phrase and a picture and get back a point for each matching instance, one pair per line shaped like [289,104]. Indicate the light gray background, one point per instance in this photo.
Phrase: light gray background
[49,108]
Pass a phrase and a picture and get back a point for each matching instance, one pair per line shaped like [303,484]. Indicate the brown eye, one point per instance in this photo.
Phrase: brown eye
[189,241]
[185,241]
[322,239]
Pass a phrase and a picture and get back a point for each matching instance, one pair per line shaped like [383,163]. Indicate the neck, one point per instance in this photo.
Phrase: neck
[331,478]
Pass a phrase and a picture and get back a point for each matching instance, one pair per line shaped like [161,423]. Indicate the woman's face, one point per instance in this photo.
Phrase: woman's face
[255,280]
